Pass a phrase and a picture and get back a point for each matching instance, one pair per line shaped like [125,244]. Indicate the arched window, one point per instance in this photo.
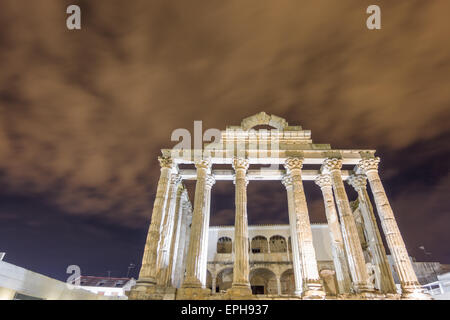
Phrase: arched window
[224,245]
[259,245]
[278,244]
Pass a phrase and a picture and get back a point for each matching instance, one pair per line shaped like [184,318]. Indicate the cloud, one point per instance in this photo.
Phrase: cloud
[84,113]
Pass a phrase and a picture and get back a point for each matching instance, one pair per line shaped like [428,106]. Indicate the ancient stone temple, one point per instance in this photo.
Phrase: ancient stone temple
[185,258]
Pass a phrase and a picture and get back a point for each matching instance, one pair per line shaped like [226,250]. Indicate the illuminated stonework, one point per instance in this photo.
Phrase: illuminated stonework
[178,261]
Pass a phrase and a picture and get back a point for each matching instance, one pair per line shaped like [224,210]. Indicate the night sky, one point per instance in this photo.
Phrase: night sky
[83,114]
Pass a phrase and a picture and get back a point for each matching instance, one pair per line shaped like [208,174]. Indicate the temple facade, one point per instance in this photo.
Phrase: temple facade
[344,259]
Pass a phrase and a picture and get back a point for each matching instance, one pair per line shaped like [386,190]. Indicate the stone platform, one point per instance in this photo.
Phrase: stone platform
[160,293]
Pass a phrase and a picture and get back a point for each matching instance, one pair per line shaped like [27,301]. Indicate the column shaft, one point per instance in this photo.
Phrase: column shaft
[205,234]
[296,262]
[241,266]
[167,231]
[147,273]
[193,263]
[383,275]
[352,243]
[408,279]
[311,281]
[173,253]
[213,283]
[278,286]
[337,242]
[186,245]
[178,271]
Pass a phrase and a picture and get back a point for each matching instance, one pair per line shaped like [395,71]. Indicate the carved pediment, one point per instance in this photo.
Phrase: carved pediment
[263,118]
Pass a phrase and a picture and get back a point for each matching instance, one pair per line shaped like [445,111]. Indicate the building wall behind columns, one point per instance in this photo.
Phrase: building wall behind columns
[321,238]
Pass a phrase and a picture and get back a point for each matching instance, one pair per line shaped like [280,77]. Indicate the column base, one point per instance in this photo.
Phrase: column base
[193,283]
[146,282]
[197,293]
[415,292]
[314,291]
[240,291]
[152,292]
[363,288]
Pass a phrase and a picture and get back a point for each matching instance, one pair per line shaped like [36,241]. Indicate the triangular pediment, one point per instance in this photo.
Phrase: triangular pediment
[263,118]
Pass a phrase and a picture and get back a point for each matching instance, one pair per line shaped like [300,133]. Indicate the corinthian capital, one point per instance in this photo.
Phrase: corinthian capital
[287,181]
[210,181]
[367,165]
[187,205]
[357,181]
[240,163]
[184,194]
[165,162]
[331,165]
[203,164]
[323,181]
[175,179]
[292,163]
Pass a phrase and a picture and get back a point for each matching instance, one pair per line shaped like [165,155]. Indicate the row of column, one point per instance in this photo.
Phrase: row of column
[173,247]
[346,245]
[165,250]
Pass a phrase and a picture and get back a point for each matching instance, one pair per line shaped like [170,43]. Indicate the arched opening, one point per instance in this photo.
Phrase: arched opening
[259,245]
[263,281]
[224,280]
[287,282]
[278,244]
[224,245]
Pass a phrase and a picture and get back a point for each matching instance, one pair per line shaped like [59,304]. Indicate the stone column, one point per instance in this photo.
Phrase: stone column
[210,180]
[408,279]
[311,281]
[383,275]
[337,244]
[278,285]
[213,283]
[178,270]
[193,263]
[187,239]
[296,262]
[241,268]
[174,243]
[354,251]
[163,258]
[147,274]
